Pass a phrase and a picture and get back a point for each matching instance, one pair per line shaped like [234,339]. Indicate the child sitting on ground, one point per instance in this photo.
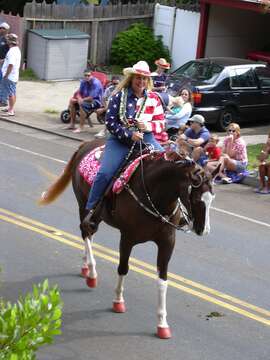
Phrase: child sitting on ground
[212,153]
[264,168]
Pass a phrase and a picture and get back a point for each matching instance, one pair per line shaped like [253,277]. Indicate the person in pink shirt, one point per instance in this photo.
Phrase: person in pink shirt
[234,157]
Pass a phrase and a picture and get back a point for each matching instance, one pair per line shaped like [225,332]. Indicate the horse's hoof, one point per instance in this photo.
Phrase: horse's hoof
[84,271]
[91,282]
[164,332]
[119,307]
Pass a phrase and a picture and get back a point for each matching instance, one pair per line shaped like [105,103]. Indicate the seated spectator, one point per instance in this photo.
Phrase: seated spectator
[88,97]
[195,137]
[178,118]
[212,153]
[264,169]
[175,105]
[234,157]
[105,101]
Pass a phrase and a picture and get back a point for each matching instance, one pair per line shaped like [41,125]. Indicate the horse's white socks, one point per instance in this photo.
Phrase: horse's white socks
[162,312]
[119,290]
[207,198]
[90,260]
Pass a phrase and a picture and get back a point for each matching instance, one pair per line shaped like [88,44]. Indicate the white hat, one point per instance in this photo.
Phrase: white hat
[5,25]
[12,39]
[197,118]
[140,68]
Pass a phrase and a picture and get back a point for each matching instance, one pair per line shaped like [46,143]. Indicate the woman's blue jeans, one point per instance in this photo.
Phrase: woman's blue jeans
[113,157]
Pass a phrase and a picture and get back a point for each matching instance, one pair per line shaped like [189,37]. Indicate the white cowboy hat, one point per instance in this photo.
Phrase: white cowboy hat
[163,63]
[140,68]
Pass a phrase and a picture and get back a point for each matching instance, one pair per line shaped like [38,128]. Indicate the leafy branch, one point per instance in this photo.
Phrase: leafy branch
[30,323]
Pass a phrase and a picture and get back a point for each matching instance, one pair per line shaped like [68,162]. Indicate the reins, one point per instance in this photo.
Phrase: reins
[155,212]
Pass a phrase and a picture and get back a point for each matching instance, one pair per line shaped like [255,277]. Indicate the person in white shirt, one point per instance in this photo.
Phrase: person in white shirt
[10,72]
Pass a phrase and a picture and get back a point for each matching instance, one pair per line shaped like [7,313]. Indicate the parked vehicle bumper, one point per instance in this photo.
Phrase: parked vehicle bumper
[211,114]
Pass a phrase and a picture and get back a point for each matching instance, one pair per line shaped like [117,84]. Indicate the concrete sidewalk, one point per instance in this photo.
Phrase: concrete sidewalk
[39,104]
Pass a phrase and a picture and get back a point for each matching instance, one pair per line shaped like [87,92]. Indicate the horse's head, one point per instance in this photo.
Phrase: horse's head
[201,197]
[196,193]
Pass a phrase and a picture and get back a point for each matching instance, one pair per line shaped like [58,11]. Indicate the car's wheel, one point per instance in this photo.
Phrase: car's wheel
[65,116]
[227,116]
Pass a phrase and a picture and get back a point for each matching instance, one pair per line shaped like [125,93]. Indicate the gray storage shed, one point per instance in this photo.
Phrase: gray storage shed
[57,54]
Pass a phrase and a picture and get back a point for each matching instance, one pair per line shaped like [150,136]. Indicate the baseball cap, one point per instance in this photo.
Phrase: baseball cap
[5,25]
[197,118]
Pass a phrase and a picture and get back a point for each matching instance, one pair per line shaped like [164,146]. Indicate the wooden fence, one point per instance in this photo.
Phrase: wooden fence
[102,23]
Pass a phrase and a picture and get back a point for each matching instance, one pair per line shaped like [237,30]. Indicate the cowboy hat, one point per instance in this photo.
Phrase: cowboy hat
[140,68]
[163,63]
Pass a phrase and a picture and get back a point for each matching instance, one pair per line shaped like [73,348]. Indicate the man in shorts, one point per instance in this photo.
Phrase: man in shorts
[195,137]
[10,73]
[88,97]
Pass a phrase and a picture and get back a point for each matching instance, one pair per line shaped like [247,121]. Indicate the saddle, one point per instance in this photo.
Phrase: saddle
[90,164]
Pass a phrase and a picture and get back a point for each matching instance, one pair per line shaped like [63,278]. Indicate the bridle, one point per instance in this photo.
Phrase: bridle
[153,210]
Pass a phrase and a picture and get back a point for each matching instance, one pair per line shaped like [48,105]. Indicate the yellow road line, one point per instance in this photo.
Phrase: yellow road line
[56,234]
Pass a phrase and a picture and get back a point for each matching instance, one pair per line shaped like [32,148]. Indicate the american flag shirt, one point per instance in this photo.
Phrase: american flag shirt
[152,116]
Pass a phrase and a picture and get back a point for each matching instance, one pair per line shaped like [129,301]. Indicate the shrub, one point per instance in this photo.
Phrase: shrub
[31,322]
[138,42]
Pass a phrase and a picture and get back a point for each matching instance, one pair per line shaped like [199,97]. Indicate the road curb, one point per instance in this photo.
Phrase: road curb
[40,129]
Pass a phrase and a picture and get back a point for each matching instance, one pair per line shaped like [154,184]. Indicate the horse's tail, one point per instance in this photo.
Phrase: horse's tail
[60,184]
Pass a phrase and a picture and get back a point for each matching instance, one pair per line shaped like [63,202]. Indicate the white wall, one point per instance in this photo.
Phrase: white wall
[185,39]
[179,30]
[164,23]
[234,32]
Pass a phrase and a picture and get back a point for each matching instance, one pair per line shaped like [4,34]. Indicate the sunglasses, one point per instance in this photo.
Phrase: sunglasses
[87,75]
[231,130]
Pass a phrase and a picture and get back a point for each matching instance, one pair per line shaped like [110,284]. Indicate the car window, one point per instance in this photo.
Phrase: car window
[196,70]
[263,74]
[242,78]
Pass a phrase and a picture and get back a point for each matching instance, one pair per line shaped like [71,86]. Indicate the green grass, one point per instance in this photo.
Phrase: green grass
[51,111]
[28,74]
[253,151]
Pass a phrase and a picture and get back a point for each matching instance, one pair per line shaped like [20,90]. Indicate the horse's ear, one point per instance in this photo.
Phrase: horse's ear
[215,171]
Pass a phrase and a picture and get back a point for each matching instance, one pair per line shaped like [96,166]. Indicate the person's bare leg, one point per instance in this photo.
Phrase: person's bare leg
[72,109]
[262,174]
[11,103]
[82,118]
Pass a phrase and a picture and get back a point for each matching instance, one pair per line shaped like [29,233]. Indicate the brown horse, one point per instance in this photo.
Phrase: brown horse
[159,193]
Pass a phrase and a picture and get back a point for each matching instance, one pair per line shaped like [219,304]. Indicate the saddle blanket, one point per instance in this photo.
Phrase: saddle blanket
[90,165]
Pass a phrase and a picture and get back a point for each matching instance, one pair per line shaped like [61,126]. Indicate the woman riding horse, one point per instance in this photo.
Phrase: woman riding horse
[133,114]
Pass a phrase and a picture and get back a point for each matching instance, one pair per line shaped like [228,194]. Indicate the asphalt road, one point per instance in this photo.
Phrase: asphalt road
[226,273]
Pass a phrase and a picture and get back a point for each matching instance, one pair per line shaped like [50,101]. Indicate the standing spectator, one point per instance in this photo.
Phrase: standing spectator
[234,156]
[4,28]
[195,138]
[175,121]
[264,169]
[10,73]
[159,77]
[88,97]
